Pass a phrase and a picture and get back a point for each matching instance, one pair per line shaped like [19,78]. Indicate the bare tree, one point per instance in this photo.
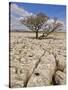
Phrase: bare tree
[52,27]
[35,22]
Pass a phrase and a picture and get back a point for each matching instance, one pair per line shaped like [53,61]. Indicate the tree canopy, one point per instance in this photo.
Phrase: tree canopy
[36,22]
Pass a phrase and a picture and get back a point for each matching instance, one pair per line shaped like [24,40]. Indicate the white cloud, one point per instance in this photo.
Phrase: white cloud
[16,25]
[15,9]
[16,14]
[50,22]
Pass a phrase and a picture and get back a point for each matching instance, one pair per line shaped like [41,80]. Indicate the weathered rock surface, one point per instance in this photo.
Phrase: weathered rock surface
[43,73]
[60,78]
[61,62]
[34,62]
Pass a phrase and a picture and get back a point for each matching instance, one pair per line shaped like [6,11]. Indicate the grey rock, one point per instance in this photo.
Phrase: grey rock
[60,78]
[61,62]
[42,75]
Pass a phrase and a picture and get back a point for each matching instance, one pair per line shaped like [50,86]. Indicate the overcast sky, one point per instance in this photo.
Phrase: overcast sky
[21,10]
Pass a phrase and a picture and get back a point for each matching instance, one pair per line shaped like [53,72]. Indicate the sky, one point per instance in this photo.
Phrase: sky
[21,10]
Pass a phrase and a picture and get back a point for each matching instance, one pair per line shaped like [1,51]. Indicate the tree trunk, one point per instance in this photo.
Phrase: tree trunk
[43,35]
[37,34]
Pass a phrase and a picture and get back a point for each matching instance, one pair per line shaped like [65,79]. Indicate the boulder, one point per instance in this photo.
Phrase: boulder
[61,62]
[42,76]
[60,78]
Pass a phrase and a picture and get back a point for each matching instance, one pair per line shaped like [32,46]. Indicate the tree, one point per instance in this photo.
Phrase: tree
[49,28]
[35,22]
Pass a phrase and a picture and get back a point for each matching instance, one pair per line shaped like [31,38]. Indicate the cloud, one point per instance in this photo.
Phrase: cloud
[51,21]
[21,12]
[16,25]
[16,14]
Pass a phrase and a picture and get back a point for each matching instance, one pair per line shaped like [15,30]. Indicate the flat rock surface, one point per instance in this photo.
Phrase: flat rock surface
[33,62]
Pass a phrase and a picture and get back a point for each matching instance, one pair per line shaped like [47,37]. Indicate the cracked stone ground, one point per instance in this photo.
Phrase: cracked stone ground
[36,62]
